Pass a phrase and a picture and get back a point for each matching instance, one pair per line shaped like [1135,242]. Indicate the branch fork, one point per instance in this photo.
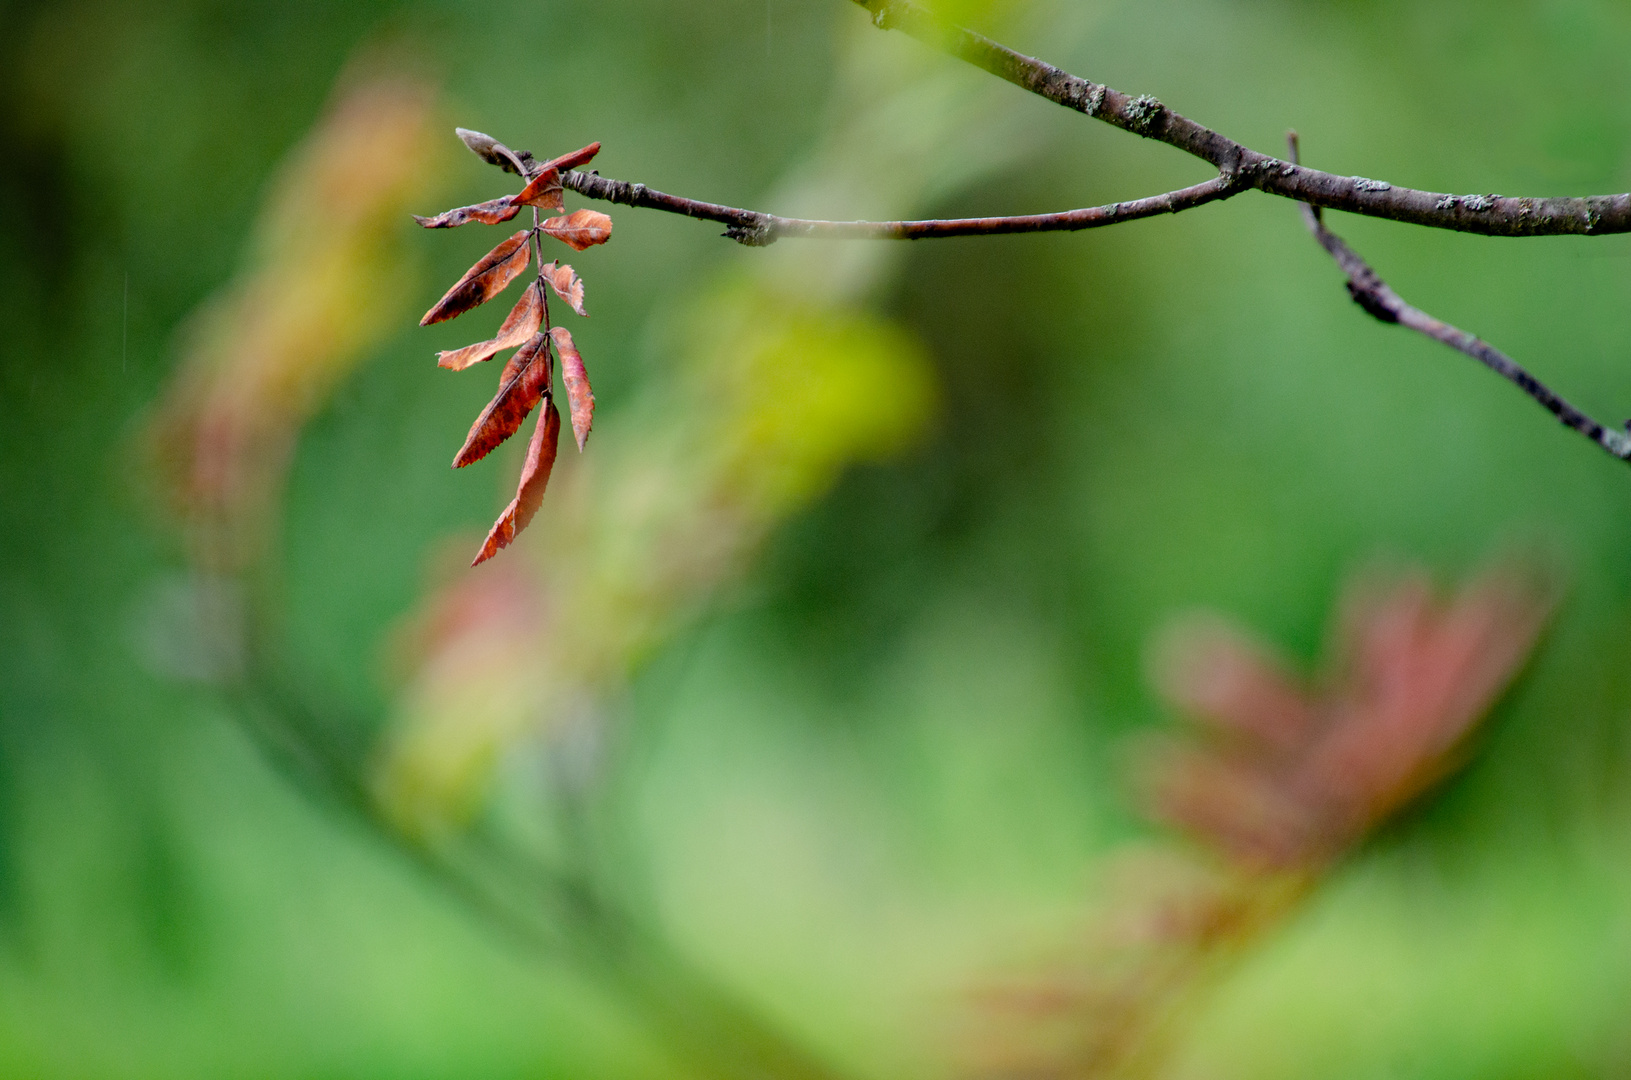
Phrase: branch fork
[1239,169]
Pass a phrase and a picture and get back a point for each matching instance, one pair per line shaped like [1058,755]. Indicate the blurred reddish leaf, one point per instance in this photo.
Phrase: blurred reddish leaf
[580,229]
[483,281]
[525,380]
[544,192]
[491,212]
[566,283]
[1295,773]
[576,378]
[321,282]
[534,478]
[519,325]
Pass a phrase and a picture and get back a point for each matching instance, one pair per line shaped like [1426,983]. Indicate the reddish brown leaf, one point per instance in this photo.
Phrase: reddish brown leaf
[566,283]
[491,212]
[519,325]
[574,159]
[534,478]
[580,229]
[525,380]
[576,378]
[483,281]
[521,358]
[543,192]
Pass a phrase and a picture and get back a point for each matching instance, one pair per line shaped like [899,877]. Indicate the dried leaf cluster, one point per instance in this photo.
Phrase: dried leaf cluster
[527,381]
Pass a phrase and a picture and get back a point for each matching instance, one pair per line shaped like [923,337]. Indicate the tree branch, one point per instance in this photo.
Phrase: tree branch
[1239,168]
[1373,294]
[1492,215]
[758,229]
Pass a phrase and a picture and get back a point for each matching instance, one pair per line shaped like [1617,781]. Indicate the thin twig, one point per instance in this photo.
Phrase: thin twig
[1478,213]
[756,229]
[1373,294]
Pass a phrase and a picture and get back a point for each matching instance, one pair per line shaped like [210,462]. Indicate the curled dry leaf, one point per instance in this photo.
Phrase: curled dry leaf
[1296,772]
[525,381]
[574,159]
[483,281]
[521,324]
[580,229]
[534,478]
[576,378]
[566,283]
[491,212]
[544,192]
[485,147]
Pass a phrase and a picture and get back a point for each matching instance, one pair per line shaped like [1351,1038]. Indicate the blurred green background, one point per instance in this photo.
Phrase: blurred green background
[887,755]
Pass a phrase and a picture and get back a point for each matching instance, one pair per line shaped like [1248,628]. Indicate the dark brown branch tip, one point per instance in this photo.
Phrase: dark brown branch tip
[492,151]
[482,145]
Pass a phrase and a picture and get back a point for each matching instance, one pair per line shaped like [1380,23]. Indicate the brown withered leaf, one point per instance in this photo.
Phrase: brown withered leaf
[526,379]
[534,478]
[580,229]
[1296,772]
[574,159]
[566,283]
[483,281]
[543,191]
[576,378]
[491,212]
[521,324]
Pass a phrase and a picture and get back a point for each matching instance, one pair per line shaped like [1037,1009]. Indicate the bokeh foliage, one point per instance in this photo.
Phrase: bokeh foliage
[888,758]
